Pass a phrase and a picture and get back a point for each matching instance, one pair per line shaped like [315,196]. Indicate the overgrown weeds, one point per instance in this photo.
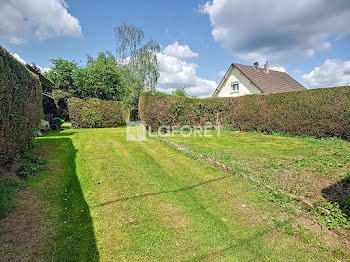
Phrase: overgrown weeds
[333,216]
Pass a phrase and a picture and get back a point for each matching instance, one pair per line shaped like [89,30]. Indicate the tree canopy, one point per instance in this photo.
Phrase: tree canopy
[139,55]
[180,91]
[120,77]
[62,74]
[101,78]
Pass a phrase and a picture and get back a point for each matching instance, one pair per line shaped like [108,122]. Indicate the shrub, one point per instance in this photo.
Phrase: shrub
[156,109]
[94,112]
[20,105]
[316,112]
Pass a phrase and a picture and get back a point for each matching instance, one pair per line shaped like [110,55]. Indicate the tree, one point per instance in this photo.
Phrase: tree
[139,57]
[180,91]
[62,74]
[101,78]
[122,77]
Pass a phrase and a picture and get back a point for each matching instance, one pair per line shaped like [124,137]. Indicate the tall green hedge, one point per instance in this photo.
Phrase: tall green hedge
[317,112]
[20,105]
[94,112]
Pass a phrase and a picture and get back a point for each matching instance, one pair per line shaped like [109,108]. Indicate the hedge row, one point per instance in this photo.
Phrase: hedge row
[20,105]
[94,112]
[317,112]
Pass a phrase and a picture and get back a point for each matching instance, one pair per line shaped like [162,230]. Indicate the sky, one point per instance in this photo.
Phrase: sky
[309,39]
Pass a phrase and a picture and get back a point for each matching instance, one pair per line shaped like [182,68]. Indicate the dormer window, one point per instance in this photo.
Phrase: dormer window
[235,87]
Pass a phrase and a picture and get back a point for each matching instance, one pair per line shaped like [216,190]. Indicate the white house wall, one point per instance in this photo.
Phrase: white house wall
[245,86]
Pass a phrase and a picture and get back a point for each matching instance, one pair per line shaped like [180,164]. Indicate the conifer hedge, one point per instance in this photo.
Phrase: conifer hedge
[94,112]
[20,105]
[320,112]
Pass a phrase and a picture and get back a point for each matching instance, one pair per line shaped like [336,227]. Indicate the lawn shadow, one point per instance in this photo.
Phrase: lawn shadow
[74,239]
[122,199]
[339,193]
[58,133]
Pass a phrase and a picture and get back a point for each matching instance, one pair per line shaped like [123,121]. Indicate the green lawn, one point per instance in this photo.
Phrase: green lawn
[303,166]
[114,200]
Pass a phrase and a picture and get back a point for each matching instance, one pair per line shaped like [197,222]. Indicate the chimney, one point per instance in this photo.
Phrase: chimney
[267,67]
[256,65]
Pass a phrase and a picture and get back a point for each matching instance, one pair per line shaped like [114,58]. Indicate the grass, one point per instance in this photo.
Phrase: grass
[11,184]
[109,199]
[69,215]
[8,189]
[317,169]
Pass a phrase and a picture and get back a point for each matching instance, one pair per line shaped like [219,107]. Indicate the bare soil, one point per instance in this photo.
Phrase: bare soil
[10,170]
[23,233]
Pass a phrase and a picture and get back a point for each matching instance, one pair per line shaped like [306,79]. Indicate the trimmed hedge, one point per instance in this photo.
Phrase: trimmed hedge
[94,112]
[320,112]
[156,109]
[20,105]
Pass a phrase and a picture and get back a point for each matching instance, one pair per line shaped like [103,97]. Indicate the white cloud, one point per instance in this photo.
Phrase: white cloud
[221,73]
[20,59]
[178,73]
[331,73]
[39,19]
[179,51]
[278,68]
[277,30]
[44,69]
[15,55]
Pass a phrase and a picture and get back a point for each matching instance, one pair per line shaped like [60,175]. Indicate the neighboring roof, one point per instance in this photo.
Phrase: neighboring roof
[49,95]
[42,78]
[273,82]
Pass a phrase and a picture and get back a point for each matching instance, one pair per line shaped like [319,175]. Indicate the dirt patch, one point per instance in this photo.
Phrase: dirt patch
[302,183]
[251,215]
[10,170]
[174,216]
[338,236]
[23,233]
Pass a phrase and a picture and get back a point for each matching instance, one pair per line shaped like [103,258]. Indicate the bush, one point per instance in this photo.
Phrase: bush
[94,112]
[20,105]
[156,109]
[317,112]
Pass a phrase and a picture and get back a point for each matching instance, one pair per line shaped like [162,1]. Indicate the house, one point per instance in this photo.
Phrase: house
[242,80]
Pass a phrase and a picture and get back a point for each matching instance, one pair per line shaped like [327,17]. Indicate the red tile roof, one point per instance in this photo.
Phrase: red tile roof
[272,82]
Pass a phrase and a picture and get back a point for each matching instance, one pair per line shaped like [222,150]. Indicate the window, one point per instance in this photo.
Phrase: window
[235,87]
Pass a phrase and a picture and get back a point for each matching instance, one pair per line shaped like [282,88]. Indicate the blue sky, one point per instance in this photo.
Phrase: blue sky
[310,41]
